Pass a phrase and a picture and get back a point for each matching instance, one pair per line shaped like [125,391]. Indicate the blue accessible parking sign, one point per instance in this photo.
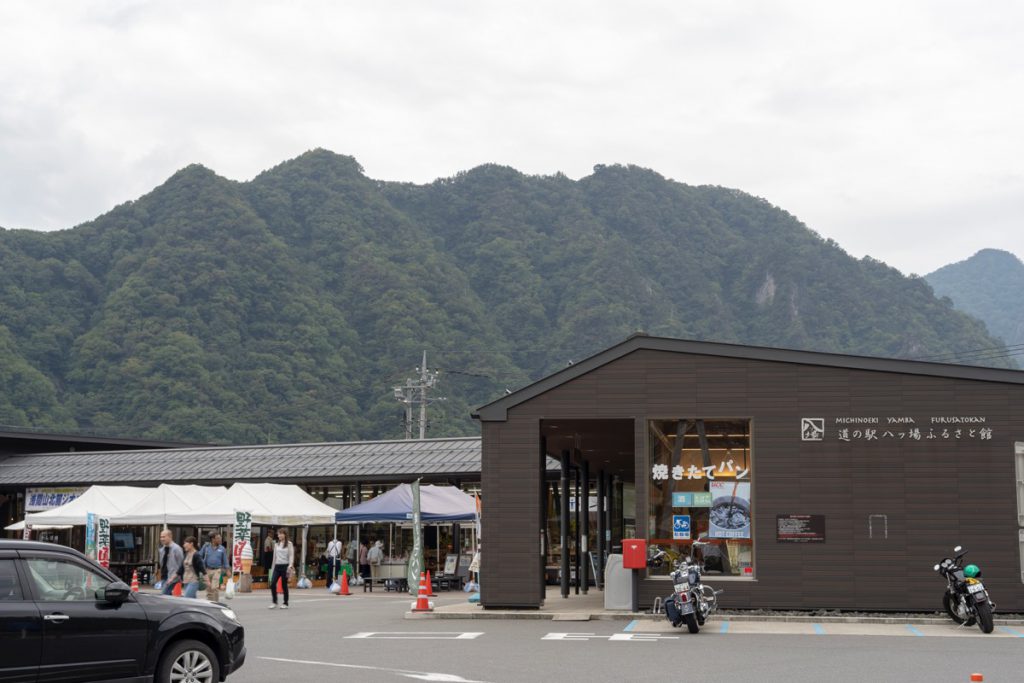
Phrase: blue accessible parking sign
[680,527]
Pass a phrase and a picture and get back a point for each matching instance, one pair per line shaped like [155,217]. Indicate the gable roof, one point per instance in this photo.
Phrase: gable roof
[497,411]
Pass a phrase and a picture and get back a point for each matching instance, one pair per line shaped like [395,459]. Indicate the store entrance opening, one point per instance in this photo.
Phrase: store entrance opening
[588,499]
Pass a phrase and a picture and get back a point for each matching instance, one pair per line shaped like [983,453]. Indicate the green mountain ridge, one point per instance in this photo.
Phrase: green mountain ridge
[988,286]
[285,308]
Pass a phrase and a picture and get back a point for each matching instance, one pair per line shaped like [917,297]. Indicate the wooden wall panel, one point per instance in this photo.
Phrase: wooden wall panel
[934,493]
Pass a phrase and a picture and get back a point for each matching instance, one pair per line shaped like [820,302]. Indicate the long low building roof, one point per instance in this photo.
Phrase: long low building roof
[305,463]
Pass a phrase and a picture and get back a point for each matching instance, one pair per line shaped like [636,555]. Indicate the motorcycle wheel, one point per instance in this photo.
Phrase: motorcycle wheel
[691,623]
[948,605]
[985,617]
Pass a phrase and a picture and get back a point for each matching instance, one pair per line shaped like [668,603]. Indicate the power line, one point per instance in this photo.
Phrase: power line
[975,354]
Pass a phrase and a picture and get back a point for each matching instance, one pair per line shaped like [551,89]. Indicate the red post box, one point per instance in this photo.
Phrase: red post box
[634,553]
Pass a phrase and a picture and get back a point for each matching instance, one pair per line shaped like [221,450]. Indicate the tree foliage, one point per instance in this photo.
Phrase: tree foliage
[285,308]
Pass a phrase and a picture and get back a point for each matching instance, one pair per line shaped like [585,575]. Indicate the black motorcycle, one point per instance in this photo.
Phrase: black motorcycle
[966,601]
[691,601]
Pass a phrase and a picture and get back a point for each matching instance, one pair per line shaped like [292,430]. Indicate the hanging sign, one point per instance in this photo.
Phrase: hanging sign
[687,499]
[240,533]
[90,535]
[103,542]
[680,527]
[26,533]
[38,499]
[730,510]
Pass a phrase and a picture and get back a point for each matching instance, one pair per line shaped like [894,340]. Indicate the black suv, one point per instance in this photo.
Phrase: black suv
[64,618]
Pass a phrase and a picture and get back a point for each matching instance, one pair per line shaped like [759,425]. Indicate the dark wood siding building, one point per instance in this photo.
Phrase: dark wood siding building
[889,464]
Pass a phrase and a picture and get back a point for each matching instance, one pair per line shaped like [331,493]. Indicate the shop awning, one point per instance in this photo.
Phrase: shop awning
[437,504]
[166,500]
[104,501]
[277,504]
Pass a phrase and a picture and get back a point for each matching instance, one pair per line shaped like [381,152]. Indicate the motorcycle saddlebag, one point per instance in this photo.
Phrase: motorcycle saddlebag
[672,611]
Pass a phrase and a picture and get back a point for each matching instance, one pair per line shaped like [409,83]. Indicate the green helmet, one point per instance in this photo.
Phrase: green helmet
[971,571]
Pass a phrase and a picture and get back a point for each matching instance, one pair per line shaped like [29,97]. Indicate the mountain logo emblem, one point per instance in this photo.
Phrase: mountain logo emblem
[812,429]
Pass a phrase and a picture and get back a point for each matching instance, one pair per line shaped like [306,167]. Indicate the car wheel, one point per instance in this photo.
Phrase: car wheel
[188,661]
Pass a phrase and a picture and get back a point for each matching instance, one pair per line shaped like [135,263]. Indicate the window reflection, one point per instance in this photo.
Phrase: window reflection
[700,488]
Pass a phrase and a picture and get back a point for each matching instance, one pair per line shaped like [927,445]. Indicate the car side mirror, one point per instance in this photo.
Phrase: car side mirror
[116,592]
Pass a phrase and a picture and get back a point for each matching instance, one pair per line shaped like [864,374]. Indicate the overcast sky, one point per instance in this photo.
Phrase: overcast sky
[893,128]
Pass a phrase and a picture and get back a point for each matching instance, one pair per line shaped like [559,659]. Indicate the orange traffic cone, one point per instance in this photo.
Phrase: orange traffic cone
[135,581]
[344,585]
[430,586]
[422,604]
[177,590]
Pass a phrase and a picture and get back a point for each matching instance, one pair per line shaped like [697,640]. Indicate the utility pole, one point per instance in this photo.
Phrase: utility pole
[414,392]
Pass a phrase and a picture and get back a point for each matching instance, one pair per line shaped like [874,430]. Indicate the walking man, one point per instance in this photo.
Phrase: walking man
[216,560]
[172,560]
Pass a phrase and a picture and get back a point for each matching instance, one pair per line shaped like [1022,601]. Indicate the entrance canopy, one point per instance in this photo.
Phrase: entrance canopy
[437,504]
[167,500]
[274,504]
[104,501]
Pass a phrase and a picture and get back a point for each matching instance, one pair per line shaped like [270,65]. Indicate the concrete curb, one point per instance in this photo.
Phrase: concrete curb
[646,616]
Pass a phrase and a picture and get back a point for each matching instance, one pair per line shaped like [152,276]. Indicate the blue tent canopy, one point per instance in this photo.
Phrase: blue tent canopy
[437,504]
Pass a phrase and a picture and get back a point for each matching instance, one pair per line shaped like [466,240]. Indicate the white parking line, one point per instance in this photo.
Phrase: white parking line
[419,675]
[418,635]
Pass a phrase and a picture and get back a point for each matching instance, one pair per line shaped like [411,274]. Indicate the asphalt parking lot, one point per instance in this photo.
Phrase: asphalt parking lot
[366,637]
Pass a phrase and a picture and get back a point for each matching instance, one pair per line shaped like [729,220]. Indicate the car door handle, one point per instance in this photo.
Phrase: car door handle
[58,618]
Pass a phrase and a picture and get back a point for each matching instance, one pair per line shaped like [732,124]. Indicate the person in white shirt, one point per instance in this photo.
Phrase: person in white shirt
[333,561]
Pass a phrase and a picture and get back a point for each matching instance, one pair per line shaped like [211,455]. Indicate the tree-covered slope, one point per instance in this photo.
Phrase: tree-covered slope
[988,286]
[286,308]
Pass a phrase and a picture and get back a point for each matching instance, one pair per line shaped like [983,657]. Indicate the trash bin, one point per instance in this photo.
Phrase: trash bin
[618,585]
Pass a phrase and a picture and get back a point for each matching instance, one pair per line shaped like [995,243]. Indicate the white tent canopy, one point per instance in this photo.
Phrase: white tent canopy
[166,501]
[276,504]
[104,501]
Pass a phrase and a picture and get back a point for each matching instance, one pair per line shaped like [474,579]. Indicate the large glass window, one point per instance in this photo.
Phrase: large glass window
[700,474]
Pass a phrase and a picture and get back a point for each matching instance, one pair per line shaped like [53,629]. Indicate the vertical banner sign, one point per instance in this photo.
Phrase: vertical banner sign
[240,540]
[90,535]
[103,542]
[416,557]
[26,534]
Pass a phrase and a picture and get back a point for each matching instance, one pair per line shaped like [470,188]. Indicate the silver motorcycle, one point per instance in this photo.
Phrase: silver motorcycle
[692,602]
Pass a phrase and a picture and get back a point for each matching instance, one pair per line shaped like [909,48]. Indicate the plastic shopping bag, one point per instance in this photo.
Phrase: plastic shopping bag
[229,589]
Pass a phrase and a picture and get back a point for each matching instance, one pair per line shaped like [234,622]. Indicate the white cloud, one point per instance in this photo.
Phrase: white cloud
[892,128]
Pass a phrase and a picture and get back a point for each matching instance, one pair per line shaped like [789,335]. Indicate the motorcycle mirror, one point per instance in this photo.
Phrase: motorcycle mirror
[936,567]
[958,549]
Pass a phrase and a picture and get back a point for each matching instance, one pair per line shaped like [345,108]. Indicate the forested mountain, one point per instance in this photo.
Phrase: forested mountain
[285,308]
[990,287]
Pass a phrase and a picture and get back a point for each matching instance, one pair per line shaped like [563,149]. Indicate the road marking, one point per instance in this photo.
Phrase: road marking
[1012,631]
[618,637]
[419,675]
[571,636]
[725,627]
[418,635]
[640,637]
[630,626]
[913,629]
[819,630]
